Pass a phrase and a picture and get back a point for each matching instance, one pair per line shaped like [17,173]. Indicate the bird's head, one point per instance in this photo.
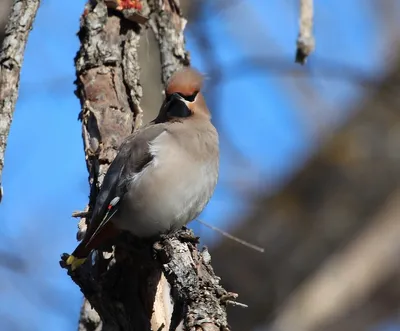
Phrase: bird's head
[183,98]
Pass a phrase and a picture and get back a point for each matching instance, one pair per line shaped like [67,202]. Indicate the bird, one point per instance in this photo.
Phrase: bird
[163,175]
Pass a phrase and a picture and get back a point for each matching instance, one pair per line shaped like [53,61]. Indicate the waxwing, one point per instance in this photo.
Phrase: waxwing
[163,175]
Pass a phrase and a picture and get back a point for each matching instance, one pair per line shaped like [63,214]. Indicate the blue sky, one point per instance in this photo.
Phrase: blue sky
[45,176]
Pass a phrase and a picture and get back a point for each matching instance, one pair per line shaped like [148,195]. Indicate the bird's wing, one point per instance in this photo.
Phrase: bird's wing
[134,149]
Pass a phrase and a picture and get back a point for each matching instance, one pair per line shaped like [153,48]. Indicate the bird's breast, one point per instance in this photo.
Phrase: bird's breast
[171,190]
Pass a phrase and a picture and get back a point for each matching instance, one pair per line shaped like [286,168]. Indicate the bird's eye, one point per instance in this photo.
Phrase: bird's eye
[189,98]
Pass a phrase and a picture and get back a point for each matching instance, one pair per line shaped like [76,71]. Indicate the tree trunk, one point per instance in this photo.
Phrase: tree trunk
[19,24]
[136,285]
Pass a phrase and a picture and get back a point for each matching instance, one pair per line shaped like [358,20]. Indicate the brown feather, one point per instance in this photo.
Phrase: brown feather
[186,81]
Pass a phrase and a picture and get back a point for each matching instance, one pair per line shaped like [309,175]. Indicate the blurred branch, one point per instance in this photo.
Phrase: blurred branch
[22,15]
[305,41]
[5,6]
[320,209]
[348,277]
[12,261]
[387,17]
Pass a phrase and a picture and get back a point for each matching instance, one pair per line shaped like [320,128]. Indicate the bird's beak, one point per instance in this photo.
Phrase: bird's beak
[169,101]
[176,98]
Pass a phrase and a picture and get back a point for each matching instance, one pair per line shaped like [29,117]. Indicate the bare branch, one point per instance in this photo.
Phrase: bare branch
[234,238]
[22,15]
[305,41]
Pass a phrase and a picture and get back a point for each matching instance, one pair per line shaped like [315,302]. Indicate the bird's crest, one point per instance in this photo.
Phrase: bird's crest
[185,81]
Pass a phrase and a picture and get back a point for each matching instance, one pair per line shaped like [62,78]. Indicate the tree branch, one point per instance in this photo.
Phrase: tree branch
[348,277]
[22,15]
[136,285]
[305,41]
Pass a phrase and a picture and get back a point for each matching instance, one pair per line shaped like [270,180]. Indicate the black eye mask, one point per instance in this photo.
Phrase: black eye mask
[176,107]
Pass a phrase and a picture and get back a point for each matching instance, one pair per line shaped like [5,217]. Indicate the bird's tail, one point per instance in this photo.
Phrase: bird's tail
[78,256]
[90,242]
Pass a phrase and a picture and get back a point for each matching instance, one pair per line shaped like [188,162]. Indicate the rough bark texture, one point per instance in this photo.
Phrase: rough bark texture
[124,285]
[320,210]
[22,15]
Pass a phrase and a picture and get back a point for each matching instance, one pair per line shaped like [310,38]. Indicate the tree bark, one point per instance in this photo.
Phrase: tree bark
[136,285]
[22,15]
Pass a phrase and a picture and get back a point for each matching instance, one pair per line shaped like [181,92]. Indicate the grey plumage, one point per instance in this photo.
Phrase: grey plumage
[173,187]
[164,174]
